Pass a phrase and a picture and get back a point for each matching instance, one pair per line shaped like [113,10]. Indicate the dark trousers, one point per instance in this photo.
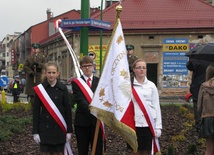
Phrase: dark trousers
[16,95]
[196,115]
[85,137]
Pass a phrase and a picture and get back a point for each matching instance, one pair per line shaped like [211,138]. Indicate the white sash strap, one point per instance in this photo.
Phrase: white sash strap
[55,113]
[85,89]
[145,109]
[67,149]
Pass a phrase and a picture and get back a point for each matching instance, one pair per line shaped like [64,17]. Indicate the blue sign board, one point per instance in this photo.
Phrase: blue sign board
[175,41]
[90,23]
[174,63]
[3,81]
[175,73]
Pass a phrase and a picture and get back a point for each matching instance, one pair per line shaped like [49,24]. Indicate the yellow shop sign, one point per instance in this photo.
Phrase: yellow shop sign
[175,47]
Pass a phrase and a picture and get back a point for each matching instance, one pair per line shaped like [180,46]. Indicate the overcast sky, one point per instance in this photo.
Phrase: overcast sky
[19,15]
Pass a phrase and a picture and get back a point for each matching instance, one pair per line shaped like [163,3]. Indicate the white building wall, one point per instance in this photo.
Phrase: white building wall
[6,42]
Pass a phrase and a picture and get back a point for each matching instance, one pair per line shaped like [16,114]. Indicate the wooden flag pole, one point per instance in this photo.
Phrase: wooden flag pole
[93,151]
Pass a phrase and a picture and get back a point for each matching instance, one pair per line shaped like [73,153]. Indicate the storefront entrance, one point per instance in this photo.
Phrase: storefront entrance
[152,72]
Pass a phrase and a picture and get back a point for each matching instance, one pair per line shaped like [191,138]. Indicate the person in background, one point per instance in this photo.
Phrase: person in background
[33,68]
[47,131]
[130,54]
[149,97]
[198,68]
[16,88]
[206,109]
[85,122]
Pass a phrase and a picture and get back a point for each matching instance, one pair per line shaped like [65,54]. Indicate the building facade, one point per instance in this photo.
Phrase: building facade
[161,35]
[7,55]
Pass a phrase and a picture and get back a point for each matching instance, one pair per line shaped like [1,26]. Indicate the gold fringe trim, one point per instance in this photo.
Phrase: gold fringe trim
[128,134]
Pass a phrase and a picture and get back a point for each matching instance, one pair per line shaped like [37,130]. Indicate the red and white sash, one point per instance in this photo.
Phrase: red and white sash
[86,90]
[55,113]
[145,109]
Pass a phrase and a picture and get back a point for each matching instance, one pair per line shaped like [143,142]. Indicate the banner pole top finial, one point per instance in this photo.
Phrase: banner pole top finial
[119,9]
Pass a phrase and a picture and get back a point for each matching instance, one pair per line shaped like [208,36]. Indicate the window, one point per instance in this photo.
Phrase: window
[200,36]
[151,37]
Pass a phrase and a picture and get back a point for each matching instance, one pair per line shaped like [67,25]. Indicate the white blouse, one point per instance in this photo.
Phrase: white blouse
[150,93]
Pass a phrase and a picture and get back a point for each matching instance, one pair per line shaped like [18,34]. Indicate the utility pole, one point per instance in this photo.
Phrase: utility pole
[85,10]
[101,38]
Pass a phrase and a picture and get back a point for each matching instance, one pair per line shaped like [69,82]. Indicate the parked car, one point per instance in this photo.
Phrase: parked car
[6,88]
[188,97]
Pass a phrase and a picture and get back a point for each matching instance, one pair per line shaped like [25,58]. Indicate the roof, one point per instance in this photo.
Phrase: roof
[161,14]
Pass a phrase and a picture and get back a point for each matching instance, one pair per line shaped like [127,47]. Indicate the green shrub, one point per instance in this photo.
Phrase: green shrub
[171,150]
[10,125]
[183,110]
[190,116]
[192,148]
[5,135]
[18,106]
[178,138]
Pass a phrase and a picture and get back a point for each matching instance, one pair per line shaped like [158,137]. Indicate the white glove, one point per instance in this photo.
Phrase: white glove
[157,133]
[68,137]
[36,138]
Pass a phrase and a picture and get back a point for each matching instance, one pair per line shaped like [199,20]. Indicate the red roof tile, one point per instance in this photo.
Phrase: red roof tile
[161,14]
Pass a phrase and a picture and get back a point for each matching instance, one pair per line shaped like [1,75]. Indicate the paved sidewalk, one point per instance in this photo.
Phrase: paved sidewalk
[22,95]
[9,97]
[166,99]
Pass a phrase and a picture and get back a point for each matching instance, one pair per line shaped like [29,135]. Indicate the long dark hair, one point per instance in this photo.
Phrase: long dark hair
[210,72]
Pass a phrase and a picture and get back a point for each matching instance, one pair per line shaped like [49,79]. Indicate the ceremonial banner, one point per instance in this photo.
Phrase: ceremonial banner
[112,99]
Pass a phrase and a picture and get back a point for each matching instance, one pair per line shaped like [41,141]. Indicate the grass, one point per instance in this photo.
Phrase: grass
[177,103]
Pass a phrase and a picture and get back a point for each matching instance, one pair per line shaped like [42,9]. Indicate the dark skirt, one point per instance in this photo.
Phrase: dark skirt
[207,127]
[144,138]
[52,148]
